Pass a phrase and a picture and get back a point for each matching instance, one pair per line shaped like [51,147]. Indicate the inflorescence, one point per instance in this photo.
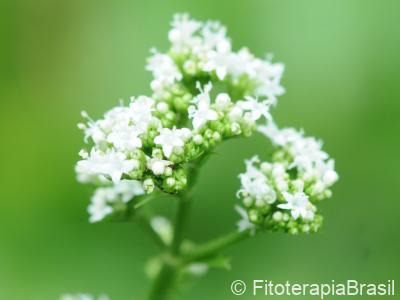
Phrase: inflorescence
[282,194]
[203,93]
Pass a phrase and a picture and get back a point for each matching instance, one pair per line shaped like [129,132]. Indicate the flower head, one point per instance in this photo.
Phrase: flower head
[202,113]
[170,139]
[298,205]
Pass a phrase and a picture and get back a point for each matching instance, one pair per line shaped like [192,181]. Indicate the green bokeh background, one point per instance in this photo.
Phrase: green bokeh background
[59,57]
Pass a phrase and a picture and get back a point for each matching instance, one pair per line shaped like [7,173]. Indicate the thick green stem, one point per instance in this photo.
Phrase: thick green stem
[213,247]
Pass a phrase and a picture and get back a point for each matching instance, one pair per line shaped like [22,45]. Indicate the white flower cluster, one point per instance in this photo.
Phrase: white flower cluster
[282,194]
[105,200]
[202,50]
[149,143]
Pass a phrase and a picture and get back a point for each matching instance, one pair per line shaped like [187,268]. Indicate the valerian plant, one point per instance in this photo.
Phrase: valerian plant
[203,93]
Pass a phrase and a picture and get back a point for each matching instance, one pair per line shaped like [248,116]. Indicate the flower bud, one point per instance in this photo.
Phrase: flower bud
[162,107]
[235,128]
[198,139]
[222,100]
[216,136]
[148,185]
[170,181]
[277,216]
[168,171]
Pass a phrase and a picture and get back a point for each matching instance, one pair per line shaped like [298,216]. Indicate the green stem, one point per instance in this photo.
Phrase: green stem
[180,223]
[164,283]
[213,247]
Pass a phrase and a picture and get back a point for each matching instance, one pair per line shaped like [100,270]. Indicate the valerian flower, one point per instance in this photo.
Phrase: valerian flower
[219,60]
[298,205]
[152,141]
[111,163]
[297,177]
[201,113]
[170,139]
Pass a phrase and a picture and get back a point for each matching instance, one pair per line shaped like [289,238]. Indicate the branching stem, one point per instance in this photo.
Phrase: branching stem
[214,246]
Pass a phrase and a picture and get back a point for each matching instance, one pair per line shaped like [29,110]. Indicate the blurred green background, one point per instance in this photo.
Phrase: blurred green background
[59,57]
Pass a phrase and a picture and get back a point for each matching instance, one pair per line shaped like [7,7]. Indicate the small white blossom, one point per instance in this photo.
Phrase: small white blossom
[219,60]
[256,184]
[170,139]
[102,201]
[214,34]
[182,32]
[298,205]
[164,70]
[202,113]
[99,209]
[125,137]
[113,164]
[244,223]
[268,76]
[158,166]
[222,100]
[255,108]
[141,109]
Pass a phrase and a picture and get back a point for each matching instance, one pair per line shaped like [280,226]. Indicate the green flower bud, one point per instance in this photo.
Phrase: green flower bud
[248,201]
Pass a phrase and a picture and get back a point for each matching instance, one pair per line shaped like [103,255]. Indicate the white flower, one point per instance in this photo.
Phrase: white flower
[242,63]
[157,166]
[112,164]
[299,205]
[255,109]
[213,34]
[91,129]
[163,68]
[255,183]
[183,30]
[222,100]
[219,60]
[280,137]
[104,197]
[169,139]
[325,172]
[185,133]
[244,223]
[141,112]
[236,113]
[268,76]
[125,137]
[99,208]
[127,189]
[202,114]
[307,152]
